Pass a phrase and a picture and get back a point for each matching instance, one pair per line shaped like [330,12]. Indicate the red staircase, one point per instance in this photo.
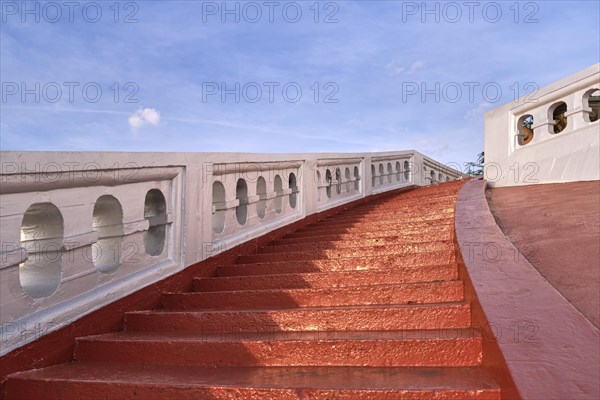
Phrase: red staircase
[366,304]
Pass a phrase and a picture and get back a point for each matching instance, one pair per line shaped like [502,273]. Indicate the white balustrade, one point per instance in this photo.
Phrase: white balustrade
[81,230]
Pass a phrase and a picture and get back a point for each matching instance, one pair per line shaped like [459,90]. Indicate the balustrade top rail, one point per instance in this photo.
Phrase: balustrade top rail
[80,230]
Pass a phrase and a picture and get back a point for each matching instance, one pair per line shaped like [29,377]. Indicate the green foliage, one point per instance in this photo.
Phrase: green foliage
[476,168]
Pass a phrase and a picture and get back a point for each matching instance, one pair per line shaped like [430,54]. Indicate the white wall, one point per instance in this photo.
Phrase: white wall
[571,155]
[65,254]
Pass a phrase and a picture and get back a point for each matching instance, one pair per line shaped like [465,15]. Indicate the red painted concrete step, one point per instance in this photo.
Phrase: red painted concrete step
[318,245]
[399,227]
[361,233]
[327,279]
[412,293]
[118,381]
[371,251]
[354,318]
[390,217]
[379,221]
[396,263]
[394,212]
[438,348]
[443,232]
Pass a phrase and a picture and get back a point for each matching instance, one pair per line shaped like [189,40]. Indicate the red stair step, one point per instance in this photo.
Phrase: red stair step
[377,221]
[355,318]
[372,251]
[348,244]
[444,232]
[379,225]
[401,229]
[391,262]
[92,381]
[438,348]
[430,292]
[328,279]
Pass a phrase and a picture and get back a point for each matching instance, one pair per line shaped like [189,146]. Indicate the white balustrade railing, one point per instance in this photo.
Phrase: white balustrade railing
[549,136]
[81,230]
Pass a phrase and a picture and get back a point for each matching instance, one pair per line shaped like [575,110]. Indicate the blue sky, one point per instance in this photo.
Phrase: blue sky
[363,56]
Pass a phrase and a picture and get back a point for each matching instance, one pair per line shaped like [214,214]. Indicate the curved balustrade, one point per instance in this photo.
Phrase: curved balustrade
[78,233]
[549,136]
[571,112]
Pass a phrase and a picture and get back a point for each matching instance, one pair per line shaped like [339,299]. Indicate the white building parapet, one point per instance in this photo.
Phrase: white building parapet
[548,136]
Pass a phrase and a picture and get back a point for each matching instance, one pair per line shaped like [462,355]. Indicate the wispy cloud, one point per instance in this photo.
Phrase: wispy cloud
[395,69]
[144,117]
[479,110]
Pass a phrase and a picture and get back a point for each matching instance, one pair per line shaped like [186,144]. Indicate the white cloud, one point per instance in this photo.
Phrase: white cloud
[143,117]
[479,110]
[395,69]
[417,65]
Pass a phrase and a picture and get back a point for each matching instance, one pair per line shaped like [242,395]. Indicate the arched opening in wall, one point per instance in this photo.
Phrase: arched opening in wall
[432,176]
[406,171]
[278,194]
[348,177]
[381,174]
[398,171]
[373,177]
[261,192]
[218,207]
[591,99]
[448,179]
[294,186]
[328,181]
[318,186]
[42,233]
[389,172]
[155,211]
[241,194]
[440,177]
[557,114]
[356,179]
[107,221]
[338,181]
[525,129]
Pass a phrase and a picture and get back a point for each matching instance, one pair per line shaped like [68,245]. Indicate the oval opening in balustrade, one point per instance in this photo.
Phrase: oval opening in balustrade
[381,174]
[432,176]
[42,233]
[328,181]
[218,205]
[107,221]
[261,192]
[440,177]
[591,99]
[398,171]
[373,177]
[338,181]
[278,201]
[155,211]
[241,194]
[389,172]
[348,177]
[406,171]
[525,129]
[294,194]
[356,179]
[318,186]
[558,117]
